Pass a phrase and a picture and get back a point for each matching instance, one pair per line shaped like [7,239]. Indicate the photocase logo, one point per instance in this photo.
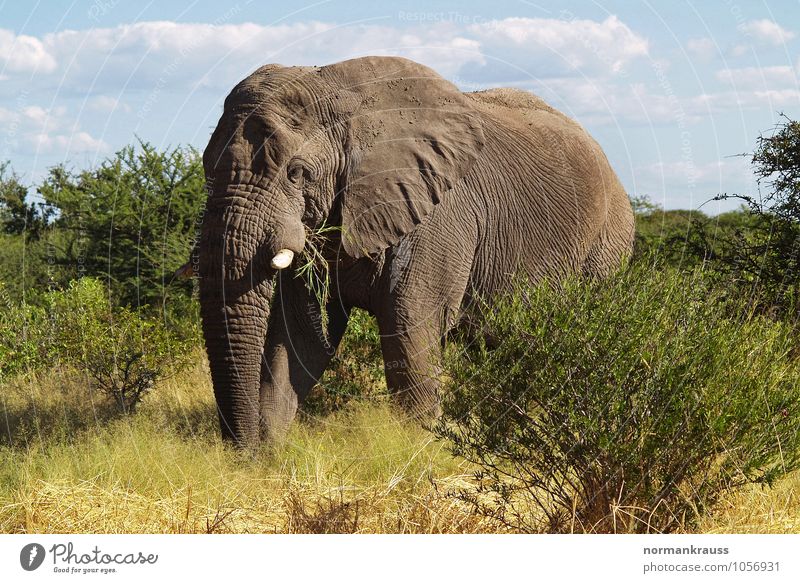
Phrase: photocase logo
[31,556]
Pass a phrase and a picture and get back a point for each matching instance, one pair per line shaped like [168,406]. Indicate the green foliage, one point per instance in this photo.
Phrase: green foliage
[766,255]
[17,215]
[315,266]
[628,404]
[777,161]
[24,271]
[25,337]
[123,352]
[672,235]
[129,222]
[756,248]
[356,371]
[686,238]
[28,269]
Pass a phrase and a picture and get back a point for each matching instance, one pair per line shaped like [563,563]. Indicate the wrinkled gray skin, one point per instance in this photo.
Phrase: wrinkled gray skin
[441,197]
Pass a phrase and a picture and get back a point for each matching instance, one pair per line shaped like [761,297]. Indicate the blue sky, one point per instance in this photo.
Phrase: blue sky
[673,91]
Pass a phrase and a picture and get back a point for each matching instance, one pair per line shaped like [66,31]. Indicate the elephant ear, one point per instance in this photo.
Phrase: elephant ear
[412,136]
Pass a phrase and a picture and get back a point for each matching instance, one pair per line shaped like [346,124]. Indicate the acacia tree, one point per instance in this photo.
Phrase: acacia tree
[130,222]
[23,266]
[766,255]
[17,215]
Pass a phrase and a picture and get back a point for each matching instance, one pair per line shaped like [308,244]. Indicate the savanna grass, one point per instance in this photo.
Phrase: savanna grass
[363,469]
[652,391]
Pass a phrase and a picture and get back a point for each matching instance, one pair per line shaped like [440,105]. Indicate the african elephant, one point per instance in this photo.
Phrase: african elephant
[439,197]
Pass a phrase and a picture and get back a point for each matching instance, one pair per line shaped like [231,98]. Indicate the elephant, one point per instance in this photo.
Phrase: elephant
[431,199]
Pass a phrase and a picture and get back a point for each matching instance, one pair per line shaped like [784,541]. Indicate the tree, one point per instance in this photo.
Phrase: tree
[123,352]
[766,255]
[24,272]
[17,215]
[129,222]
[685,238]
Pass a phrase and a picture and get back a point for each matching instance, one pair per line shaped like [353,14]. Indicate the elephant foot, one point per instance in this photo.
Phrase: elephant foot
[420,404]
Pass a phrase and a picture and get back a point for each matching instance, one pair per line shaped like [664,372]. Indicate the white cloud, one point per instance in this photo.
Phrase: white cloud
[440,47]
[689,172]
[107,104]
[766,99]
[766,31]
[170,55]
[759,77]
[24,54]
[34,129]
[687,183]
[757,88]
[604,101]
[776,98]
[600,101]
[702,48]
[544,47]
[73,143]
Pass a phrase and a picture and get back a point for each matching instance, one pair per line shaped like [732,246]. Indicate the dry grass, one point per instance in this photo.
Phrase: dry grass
[67,465]
[757,510]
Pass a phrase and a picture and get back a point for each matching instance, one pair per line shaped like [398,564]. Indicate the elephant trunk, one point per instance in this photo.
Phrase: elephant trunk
[243,243]
[235,293]
[235,327]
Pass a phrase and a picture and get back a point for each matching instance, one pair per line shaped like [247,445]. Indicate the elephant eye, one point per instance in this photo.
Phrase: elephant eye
[295,172]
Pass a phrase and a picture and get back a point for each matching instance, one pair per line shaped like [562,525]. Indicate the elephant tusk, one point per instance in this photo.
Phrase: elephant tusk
[282,259]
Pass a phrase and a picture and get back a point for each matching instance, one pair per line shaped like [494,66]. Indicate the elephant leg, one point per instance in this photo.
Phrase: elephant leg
[412,362]
[298,349]
[426,289]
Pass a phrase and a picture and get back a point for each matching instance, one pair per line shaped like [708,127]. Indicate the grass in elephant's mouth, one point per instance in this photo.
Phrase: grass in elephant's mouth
[65,468]
[313,266]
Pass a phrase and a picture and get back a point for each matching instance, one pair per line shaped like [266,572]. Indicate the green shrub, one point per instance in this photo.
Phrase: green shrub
[123,352]
[25,339]
[765,256]
[130,222]
[624,405]
[687,238]
[356,371]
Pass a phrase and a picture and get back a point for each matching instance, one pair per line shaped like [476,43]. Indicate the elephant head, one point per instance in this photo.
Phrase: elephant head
[370,144]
